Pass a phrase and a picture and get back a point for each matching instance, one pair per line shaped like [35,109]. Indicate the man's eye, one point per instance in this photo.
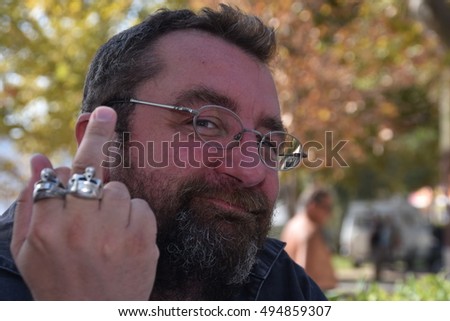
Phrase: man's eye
[207,123]
[211,127]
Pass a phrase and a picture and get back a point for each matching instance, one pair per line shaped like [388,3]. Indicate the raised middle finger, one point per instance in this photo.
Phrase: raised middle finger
[99,130]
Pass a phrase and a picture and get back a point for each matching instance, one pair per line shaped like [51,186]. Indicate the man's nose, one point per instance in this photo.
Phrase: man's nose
[242,161]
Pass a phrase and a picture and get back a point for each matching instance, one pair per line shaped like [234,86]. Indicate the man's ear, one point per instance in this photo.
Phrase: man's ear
[81,125]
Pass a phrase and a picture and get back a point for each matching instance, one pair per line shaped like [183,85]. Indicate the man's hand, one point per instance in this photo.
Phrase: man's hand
[84,249]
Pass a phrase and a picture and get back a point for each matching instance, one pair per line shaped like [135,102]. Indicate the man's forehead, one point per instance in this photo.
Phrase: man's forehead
[194,41]
[202,49]
[199,67]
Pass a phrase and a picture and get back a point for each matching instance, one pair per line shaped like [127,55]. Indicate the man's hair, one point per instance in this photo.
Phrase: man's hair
[129,58]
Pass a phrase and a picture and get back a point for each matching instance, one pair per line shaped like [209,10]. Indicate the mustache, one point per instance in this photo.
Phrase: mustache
[251,200]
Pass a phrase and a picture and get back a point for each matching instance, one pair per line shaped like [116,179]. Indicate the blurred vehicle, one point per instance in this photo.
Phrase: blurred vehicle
[410,233]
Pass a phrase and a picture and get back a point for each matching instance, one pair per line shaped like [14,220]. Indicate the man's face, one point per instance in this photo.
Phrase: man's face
[217,198]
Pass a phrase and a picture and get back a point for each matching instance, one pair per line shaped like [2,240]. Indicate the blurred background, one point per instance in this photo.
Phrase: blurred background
[364,84]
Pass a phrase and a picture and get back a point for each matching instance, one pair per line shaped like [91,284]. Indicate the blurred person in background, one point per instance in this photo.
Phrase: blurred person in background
[305,240]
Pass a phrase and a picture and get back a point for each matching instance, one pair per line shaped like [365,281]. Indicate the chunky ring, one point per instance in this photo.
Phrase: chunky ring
[85,185]
[49,186]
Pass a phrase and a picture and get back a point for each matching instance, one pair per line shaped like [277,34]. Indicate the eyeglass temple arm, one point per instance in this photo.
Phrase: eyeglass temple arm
[178,108]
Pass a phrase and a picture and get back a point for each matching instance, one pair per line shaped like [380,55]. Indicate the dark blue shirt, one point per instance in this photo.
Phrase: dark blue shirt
[274,277]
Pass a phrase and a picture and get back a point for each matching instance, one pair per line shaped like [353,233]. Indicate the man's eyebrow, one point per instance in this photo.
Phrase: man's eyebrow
[205,95]
[208,95]
[271,123]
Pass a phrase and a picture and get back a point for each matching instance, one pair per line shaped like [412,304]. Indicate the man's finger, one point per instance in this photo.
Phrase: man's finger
[99,131]
[24,205]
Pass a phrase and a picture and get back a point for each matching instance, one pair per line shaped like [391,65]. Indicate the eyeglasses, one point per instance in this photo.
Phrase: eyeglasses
[219,125]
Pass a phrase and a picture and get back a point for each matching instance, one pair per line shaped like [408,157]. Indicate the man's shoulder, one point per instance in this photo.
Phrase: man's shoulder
[277,277]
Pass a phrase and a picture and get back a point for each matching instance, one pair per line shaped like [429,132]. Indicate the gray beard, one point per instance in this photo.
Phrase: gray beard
[204,250]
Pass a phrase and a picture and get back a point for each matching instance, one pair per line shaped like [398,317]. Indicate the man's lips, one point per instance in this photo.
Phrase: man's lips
[228,206]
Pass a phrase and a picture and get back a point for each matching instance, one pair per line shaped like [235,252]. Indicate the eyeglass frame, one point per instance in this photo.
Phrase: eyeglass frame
[196,112]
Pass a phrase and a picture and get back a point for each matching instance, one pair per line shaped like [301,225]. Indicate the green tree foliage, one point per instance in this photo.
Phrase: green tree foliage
[45,49]
[367,76]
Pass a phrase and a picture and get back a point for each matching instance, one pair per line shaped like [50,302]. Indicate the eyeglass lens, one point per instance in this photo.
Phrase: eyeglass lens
[278,150]
[281,151]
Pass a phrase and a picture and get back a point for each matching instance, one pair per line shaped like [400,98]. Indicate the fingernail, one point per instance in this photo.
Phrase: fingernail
[104,114]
